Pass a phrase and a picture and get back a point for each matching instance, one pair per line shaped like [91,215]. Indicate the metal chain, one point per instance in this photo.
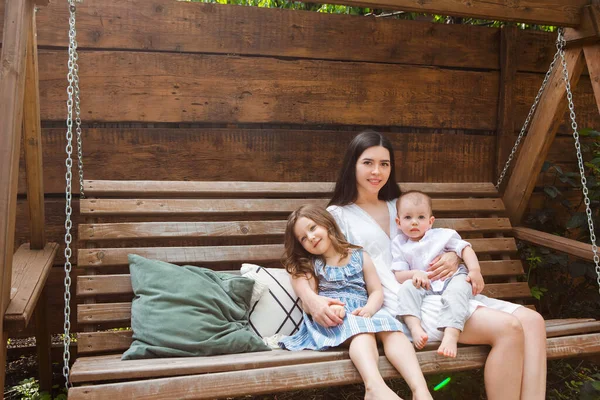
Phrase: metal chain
[527,120]
[561,42]
[72,92]
[78,114]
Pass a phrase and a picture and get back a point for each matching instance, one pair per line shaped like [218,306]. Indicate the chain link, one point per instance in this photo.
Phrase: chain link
[527,120]
[561,42]
[72,106]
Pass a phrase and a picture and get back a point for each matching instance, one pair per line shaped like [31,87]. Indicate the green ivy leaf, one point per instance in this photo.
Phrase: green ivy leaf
[577,220]
[551,191]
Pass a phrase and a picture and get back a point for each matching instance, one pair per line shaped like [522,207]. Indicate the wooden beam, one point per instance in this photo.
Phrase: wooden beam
[542,131]
[32,142]
[558,243]
[508,75]
[589,30]
[592,58]
[17,18]
[544,12]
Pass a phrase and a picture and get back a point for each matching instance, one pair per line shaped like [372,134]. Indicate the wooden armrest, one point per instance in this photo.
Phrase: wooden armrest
[559,243]
[29,273]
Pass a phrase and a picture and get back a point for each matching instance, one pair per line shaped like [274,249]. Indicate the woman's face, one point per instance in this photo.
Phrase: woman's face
[373,170]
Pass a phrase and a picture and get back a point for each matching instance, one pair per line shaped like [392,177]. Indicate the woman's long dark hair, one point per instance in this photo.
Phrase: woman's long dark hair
[345,191]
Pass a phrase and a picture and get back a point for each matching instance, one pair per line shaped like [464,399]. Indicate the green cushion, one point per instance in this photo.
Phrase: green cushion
[188,311]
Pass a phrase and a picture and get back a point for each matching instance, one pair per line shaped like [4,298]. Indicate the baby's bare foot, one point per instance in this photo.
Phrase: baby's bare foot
[419,336]
[448,348]
[381,392]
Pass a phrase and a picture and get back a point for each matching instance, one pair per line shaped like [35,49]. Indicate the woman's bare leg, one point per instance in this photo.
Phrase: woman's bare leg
[504,366]
[401,354]
[534,366]
[364,355]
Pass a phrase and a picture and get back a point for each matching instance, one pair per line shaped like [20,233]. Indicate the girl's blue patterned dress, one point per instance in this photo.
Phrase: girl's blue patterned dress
[347,284]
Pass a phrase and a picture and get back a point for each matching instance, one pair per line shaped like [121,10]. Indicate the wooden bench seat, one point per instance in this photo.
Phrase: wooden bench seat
[222,224]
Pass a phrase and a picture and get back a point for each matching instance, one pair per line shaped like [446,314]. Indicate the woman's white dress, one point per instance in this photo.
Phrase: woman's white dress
[361,229]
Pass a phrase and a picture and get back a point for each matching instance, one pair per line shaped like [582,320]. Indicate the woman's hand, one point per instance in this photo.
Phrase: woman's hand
[443,267]
[321,312]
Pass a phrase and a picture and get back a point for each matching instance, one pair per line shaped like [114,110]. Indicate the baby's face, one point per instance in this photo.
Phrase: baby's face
[414,218]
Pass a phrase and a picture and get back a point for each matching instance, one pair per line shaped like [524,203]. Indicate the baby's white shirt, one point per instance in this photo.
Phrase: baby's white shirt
[409,255]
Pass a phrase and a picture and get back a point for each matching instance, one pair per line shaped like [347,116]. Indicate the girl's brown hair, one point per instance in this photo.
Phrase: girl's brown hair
[296,260]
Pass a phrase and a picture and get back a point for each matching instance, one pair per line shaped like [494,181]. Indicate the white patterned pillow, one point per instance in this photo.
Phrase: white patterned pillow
[277,311]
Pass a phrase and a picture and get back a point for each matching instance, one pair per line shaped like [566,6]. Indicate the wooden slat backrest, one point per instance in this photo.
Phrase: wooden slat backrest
[223,224]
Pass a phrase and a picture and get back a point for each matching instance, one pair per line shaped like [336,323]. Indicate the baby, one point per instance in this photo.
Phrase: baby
[413,251]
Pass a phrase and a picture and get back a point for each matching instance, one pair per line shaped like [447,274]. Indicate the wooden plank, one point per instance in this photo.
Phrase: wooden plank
[553,12]
[30,271]
[558,243]
[589,30]
[17,18]
[173,207]
[592,57]
[167,87]
[120,312]
[95,285]
[508,74]
[573,329]
[156,230]
[165,25]
[32,144]
[135,154]
[541,134]
[98,188]
[527,86]
[214,254]
[110,367]
[325,374]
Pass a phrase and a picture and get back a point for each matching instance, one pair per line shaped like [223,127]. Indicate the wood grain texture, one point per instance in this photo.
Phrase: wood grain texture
[30,271]
[330,373]
[167,87]
[542,132]
[282,155]
[559,243]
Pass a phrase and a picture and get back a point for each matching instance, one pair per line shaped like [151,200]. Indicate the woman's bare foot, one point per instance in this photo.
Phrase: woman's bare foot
[381,392]
[448,347]
[419,336]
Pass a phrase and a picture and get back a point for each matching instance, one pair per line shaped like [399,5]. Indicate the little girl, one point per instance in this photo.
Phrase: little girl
[316,250]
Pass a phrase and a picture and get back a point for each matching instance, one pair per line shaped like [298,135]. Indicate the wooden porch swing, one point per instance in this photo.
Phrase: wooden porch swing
[226,223]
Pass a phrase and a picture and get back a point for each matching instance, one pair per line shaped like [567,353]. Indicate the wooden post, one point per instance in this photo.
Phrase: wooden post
[592,57]
[17,17]
[43,344]
[508,72]
[32,142]
[543,129]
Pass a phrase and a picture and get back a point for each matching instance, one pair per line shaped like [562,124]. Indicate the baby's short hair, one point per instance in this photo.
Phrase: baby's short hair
[416,196]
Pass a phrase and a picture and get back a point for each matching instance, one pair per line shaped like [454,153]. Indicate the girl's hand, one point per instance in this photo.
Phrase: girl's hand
[363,312]
[421,280]
[444,266]
[476,280]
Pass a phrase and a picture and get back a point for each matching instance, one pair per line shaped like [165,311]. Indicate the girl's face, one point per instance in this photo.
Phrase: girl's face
[313,237]
[373,170]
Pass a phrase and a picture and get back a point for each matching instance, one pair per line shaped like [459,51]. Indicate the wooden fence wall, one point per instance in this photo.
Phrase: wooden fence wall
[177,90]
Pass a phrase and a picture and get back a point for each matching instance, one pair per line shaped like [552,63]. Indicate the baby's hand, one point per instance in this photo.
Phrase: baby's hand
[340,311]
[476,280]
[363,312]
[421,280]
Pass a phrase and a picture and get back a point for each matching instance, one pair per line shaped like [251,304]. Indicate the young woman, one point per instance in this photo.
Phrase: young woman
[363,205]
